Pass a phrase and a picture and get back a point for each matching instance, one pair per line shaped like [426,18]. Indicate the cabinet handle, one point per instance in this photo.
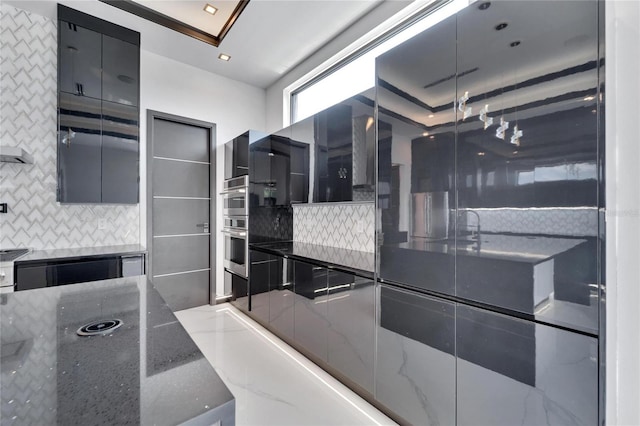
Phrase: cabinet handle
[67,139]
[205,226]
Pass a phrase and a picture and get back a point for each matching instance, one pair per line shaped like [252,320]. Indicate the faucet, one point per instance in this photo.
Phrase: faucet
[476,234]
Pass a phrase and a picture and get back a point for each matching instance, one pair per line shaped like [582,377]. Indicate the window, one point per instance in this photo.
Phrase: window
[356,72]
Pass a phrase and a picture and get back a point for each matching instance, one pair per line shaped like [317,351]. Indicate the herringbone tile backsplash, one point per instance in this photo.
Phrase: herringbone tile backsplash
[349,226]
[28,118]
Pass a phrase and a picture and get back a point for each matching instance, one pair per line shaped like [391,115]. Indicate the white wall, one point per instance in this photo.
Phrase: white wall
[175,88]
[623,211]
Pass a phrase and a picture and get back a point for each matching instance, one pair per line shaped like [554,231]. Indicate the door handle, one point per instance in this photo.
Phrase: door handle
[205,226]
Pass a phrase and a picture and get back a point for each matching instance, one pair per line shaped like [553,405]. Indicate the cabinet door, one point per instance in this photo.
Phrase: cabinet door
[120,154]
[533,171]
[310,310]
[120,71]
[241,155]
[414,84]
[299,180]
[80,61]
[416,365]
[239,290]
[261,188]
[79,149]
[511,371]
[281,296]
[351,315]
[259,279]
[280,178]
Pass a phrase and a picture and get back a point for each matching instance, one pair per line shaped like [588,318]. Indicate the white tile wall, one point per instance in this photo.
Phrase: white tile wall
[348,226]
[28,118]
[577,222]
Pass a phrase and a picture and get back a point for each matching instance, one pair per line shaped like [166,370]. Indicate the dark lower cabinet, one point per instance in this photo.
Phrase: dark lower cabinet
[239,290]
[512,371]
[351,332]
[416,364]
[260,284]
[310,309]
[281,296]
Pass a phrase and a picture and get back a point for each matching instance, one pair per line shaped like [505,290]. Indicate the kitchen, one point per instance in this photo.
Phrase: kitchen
[333,223]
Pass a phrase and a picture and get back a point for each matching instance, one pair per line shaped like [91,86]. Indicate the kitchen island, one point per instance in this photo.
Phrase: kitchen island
[145,371]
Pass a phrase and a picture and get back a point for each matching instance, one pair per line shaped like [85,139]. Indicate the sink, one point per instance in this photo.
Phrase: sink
[8,255]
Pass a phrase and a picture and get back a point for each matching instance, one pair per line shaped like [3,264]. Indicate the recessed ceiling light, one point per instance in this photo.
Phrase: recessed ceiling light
[501,26]
[481,154]
[210,9]
[432,137]
[485,5]
[425,134]
[515,43]
[224,57]
[431,115]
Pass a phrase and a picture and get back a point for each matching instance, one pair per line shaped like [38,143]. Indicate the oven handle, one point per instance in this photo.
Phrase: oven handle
[232,192]
[234,233]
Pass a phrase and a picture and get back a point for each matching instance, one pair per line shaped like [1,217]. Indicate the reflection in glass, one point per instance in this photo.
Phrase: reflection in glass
[508,131]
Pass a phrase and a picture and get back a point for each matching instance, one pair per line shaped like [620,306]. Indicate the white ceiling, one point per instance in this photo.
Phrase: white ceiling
[269,38]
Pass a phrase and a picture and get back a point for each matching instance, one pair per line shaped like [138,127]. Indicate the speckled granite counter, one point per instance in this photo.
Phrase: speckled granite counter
[148,371]
[80,252]
[358,262]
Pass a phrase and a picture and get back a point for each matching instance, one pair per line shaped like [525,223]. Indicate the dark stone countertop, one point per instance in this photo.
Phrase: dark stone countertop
[516,248]
[80,252]
[148,371]
[357,262]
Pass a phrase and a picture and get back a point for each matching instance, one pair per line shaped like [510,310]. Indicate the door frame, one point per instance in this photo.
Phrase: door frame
[152,115]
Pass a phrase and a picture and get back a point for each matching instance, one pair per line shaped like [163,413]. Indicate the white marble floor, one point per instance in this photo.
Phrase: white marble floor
[273,383]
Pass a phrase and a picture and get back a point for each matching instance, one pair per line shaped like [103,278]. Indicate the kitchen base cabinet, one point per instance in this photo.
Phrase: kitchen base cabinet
[260,283]
[351,333]
[310,309]
[281,297]
[239,290]
[416,365]
[512,371]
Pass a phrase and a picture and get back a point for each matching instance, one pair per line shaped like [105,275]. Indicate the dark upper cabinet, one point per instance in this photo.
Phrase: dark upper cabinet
[98,142]
[120,154]
[120,71]
[279,170]
[511,371]
[80,60]
[236,153]
[79,149]
[334,144]
[416,364]
[270,171]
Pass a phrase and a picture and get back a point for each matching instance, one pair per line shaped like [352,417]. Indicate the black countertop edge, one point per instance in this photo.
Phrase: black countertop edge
[486,307]
[318,262]
[80,253]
